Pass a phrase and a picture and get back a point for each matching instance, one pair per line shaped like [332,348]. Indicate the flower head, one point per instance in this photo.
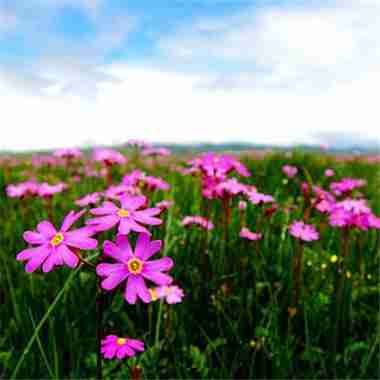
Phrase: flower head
[245,233]
[113,346]
[197,220]
[109,157]
[302,231]
[289,171]
[170,293]
[68,153]
[89,199]
[129,216]
[134,267]
[54,248]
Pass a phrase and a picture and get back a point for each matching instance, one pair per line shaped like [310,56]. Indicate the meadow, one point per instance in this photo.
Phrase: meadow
[263,297]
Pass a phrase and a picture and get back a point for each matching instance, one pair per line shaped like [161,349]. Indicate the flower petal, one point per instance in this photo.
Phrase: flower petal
[142,217]
[53,260]
[115,251]
[105,209]
[154,247]
[80,239]
[46,229]
[130,293]
[70,219]
[68,257]
[132,203]
[163,264]
[142,245]
[114,279]
[34,237]
[106,269]
[158,277]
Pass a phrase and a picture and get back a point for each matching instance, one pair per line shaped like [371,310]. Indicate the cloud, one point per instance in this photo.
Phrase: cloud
[168,107]
[310,47]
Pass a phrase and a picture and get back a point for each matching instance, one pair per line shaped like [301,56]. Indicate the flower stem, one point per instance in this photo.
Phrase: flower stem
[99,330]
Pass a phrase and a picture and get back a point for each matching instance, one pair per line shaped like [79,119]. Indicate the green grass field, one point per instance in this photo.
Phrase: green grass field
[234,321]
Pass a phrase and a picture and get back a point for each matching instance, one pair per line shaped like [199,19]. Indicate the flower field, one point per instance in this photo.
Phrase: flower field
[143,263]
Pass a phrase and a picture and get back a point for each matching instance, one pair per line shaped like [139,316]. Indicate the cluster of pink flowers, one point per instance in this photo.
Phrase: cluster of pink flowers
[346,186]
[33,188]
[122,266]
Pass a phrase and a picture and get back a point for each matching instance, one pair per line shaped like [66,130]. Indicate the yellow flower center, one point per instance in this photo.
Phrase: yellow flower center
[57,239]
[121,341]
[135,265]
[123,213]
[153,294]
[334,258]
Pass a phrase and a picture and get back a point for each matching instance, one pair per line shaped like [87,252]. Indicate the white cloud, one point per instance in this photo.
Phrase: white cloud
[164,106]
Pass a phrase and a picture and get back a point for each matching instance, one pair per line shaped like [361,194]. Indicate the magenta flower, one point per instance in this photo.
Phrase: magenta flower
[229,188]
[45,190]
[351,213]
[22,189]
[346,185]
[109,157]
[129,216]
[154,183]
[117,191]
[197,220]
[54,247]
[68,153]
[89,199]
[242,205]
[289,171]
[156,152]
[171,294]
[259,198]
[134,267]
[164,205]
[302,231]
[133,178]
[114,346]
[245,233]
[329,173]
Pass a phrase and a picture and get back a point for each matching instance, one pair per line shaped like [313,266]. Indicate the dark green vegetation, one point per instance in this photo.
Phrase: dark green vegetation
[234,321]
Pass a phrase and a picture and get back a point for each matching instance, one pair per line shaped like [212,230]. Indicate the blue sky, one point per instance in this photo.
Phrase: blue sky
[185,70]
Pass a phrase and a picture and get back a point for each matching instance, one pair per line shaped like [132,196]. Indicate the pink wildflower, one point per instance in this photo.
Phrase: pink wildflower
[68,153]
[289,171]
[88,199]
[197,220]
[129,216]
[114,346]
[302,231]
[45,190]
[346,185]
[259,198]
[109,157]
[134,267]
[329,173]
[170,293]
[245,233]
[54,246]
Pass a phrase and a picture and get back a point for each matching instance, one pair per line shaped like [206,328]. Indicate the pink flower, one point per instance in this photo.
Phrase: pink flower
[302,231]
[154,183]
[171,294]
[156,152]
[129,216]
[259,198]
[68,153]
[22,189]
[346,185]
[289,171]
[109,157]
[117,191]
[46,190]
[242,205]
[92,198]
[114,346]
[245,233]
[230,187]
[54,246]
[164,205]
[134,267]
[133,178]
[329,173]
[197,220]
[351,213]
